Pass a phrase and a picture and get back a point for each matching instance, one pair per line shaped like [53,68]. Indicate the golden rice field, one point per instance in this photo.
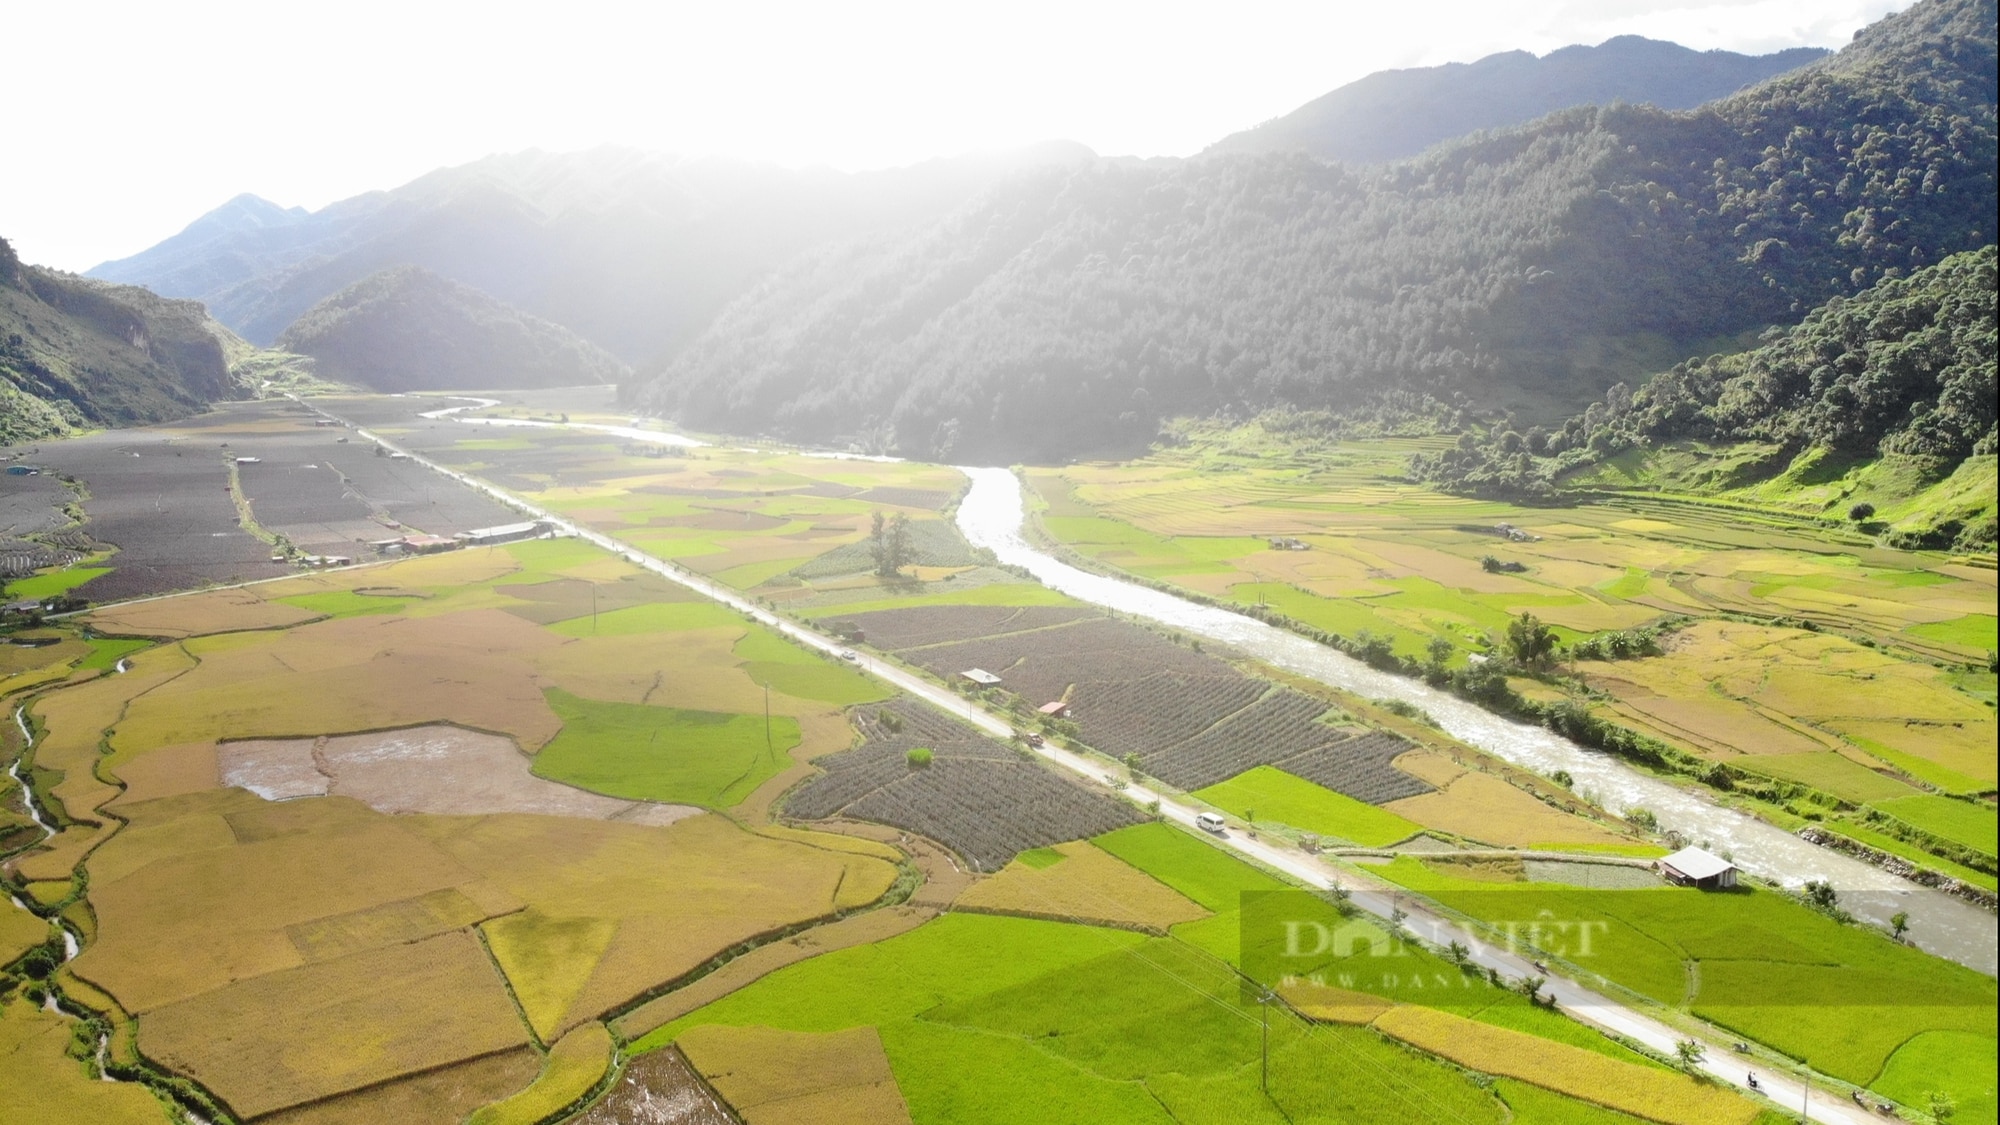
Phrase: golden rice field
[575,1064]
[1656,1095]
[774,1077]
[42,1084]
[316,961]
[1080,882]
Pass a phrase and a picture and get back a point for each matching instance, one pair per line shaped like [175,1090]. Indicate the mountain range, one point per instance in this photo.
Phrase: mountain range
[1048,303]
[1397,113]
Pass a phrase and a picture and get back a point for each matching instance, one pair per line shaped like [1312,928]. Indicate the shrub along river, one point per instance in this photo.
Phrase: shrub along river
[991,516]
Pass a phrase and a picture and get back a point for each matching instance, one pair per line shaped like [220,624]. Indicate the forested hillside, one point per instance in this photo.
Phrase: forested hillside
[409,329]
[1904,371]
[1399,113]
[75,352]
[633,250]
[1072,309]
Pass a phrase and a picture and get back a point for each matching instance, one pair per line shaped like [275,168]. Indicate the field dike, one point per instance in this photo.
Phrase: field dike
[1898,865]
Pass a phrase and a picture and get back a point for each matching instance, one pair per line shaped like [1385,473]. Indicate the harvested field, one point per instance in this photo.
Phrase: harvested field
[1482,807]
[472,668]
[1654,1094]
[978,797]
[575,1064]
[1083,884]
[658,1088]
[774,1077]
[371,1017]
[445,1094]
[431,769]
[196,615]
[1361,768]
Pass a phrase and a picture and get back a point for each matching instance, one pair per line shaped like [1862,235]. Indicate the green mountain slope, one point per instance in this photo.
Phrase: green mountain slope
[76,352]
[1886,399]
[1072,309]
[1399,113]
[409,329]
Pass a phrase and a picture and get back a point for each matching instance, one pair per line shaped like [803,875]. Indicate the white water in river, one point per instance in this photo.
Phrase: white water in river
[991,516]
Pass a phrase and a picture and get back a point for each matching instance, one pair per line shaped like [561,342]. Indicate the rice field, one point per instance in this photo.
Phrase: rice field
[1813,657]
[774,1077]
[1080,882]
[1267,794]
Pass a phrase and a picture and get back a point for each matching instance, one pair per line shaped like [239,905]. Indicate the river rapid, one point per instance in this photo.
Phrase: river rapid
[991,516]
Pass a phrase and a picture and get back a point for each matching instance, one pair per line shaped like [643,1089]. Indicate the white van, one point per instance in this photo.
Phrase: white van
[1209,822]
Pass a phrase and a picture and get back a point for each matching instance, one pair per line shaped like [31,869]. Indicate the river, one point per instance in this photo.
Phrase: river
[991,516]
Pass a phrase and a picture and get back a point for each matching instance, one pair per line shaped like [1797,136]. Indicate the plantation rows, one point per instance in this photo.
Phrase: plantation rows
[1144,716]
[977,796]
[22,556]
[1264,733]
[895,629]
[1359,768]
[932,542]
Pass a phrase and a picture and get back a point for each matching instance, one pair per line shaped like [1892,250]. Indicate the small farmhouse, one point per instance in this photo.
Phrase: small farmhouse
[1055,710]
[1692,867]
[980,676]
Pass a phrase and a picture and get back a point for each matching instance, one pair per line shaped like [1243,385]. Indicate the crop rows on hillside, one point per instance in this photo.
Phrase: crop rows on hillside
[979,797]
[1192,719]
[1360,768]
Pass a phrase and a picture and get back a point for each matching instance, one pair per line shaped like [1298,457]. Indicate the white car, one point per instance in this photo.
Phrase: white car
[849,655]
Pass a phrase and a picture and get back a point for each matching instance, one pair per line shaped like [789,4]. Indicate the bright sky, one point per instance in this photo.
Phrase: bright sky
[132,118]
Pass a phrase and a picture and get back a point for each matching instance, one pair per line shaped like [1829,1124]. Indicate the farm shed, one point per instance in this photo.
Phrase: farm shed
[1692,867]
[1055,710]
[980,676]
[503,533]
[423,544]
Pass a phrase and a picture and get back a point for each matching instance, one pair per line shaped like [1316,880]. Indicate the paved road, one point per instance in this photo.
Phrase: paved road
[1374,897]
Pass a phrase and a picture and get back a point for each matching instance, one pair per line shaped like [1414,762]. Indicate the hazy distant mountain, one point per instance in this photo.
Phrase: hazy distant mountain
[408,329]
[1072,309]
[634,250]
[1397,113]
[77,352]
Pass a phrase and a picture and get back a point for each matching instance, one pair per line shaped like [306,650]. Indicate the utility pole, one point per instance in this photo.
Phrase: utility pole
[1264,1004]
[593,609]
[770,750]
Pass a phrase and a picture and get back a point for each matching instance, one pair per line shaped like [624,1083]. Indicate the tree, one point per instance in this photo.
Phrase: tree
[1531,987]
[1943,1106]
[1437,654]
[1861,511]
[1458,953]
[1531,641]
[1133,764]
[1900,923]
[889,543]
[1820,895]
[1689,1052]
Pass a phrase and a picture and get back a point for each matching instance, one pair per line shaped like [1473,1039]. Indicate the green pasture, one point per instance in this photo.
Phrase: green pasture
[631,750]
[1841,997]
[1960,1062]
[652,617]
[1835,773]
[999,1019]
[777,663]
[105,653]
[52,583]
[1964,822]
[1973,631]
[1274,795]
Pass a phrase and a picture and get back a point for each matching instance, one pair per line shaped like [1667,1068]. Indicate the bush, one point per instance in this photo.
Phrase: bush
[919,756]
[1860,511]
